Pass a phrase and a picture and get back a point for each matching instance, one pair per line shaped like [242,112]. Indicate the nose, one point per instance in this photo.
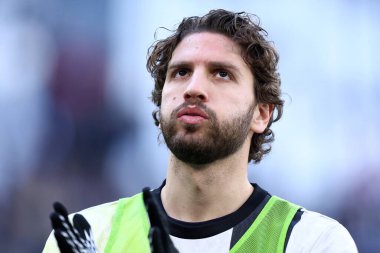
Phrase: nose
[196,89]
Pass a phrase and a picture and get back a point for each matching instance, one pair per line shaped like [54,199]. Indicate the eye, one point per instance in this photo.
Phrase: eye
[223,74]
[180,73]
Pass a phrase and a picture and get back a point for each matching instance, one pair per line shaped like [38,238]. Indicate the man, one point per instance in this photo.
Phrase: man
[217,90]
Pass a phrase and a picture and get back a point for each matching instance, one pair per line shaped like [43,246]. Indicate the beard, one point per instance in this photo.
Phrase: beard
[205,143]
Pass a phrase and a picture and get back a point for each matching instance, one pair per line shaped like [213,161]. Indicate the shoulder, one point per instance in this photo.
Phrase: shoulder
[99,213]
[318,233]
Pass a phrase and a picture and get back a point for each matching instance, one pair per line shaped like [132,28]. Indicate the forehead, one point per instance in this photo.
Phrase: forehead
[207,46]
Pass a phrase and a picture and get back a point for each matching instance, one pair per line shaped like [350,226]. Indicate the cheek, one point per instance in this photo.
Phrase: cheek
[170,95]
[231,107]
[168,103]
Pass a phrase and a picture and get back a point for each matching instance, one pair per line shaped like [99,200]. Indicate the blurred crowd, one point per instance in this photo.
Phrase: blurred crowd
[57,123]
[76,124]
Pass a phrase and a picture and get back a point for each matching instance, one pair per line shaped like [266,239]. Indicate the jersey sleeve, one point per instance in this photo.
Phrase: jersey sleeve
[317,233]
[335,238]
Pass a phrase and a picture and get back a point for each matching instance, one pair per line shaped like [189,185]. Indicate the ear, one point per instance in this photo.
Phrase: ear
[261,116]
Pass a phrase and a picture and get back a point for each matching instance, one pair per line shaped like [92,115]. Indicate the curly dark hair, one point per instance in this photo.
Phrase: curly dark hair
[257,52]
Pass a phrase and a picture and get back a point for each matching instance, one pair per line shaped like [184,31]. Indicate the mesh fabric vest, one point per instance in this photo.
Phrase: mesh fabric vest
[267,234]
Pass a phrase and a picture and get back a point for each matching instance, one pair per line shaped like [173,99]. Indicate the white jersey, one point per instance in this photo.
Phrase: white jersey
[314,233]
[308,232]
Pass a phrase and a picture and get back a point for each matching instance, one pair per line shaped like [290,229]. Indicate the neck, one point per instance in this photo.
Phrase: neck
[200,193]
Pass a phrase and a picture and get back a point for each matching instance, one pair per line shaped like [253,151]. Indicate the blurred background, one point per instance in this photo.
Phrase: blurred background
[75,114]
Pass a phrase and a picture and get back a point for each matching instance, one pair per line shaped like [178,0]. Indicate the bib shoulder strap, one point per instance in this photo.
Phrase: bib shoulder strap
[268,232]
[130,227]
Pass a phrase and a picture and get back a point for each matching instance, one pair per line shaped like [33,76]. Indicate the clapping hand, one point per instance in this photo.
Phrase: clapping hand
[159,238]
[72,238]
[77,237]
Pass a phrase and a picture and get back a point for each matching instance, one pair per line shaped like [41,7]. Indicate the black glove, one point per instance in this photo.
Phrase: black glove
[160,241]
[76,238]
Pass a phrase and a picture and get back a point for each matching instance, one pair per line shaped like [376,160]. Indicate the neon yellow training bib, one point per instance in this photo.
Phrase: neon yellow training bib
[130,228]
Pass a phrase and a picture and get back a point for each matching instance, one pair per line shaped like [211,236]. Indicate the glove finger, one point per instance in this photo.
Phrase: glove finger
[156,242]
[60,221]
[65,244]
[81,225]
[62,215]
[146,195]
[159,232]
[154,216]
[149,205]
[60,208]
[157,216]
[84,230]
[56,222]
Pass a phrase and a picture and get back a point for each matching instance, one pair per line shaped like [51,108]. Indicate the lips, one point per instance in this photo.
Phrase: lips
[192,115]
[192,112]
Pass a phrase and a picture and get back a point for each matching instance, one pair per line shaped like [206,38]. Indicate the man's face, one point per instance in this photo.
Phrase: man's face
[207,99]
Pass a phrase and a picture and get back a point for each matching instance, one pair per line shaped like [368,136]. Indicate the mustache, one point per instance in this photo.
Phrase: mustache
[200,105]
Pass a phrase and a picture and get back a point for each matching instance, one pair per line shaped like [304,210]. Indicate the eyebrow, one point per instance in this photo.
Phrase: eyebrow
[179,64]
[211,64]
[224,65]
